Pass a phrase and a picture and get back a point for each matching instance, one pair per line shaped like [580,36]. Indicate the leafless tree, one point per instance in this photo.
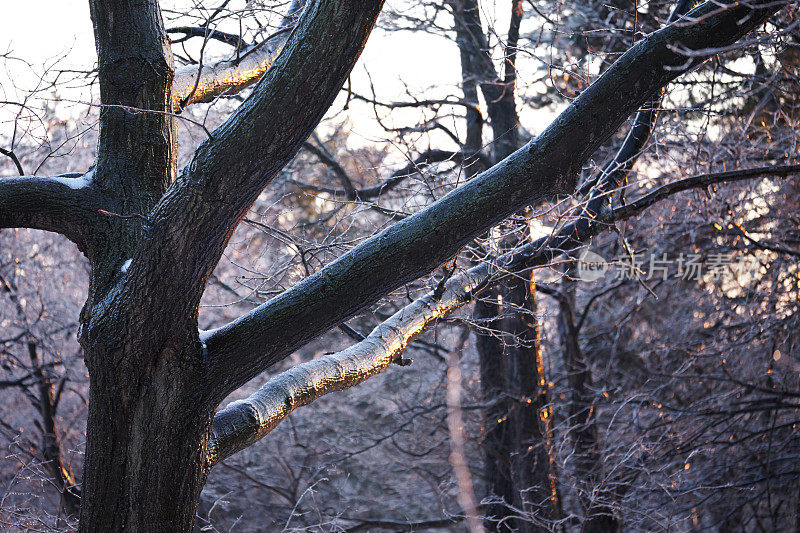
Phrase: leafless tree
[153,234]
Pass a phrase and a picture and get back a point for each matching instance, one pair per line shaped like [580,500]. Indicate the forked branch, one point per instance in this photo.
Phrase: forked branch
[544,168]
[244,422]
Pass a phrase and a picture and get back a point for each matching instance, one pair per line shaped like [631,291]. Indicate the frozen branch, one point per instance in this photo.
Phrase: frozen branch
[243,422]
[204,82]
[541,170]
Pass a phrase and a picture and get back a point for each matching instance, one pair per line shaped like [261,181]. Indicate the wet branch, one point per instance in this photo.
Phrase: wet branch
[207,81]
[544,168]
[244,422]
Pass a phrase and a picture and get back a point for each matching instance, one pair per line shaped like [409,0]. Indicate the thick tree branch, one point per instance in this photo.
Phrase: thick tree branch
[616,171]
[70,205]
[194,219]
[204,82]
[243,422]
[544,168]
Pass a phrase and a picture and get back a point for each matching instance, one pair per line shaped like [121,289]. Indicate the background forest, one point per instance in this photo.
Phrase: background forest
[664,396]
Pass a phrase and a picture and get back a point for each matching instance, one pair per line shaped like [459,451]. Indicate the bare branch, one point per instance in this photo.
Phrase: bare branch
[205,82]
[426,158]
[544,168]
[11,155]
[327,158]
[68,204]
[244,422]
[197,31]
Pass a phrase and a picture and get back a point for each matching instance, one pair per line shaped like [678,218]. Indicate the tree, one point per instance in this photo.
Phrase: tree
[153,235]
[517,431]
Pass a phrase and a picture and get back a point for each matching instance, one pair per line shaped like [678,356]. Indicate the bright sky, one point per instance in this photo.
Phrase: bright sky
[42,32]
[41,29]
[48,32]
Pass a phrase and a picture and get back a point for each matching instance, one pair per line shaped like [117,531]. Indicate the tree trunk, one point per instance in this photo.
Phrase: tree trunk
[530,419]
[51,447]
[148,419]
[146,435]
[600,517]
[497,436]
[517,462]
[518,428]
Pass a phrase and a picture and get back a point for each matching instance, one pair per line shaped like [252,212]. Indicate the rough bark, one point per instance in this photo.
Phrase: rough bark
[68,204]
[544,168]
[145,420]
[153,383]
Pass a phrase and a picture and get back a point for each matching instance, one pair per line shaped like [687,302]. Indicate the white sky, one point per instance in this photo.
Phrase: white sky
[41,29]
[48,32]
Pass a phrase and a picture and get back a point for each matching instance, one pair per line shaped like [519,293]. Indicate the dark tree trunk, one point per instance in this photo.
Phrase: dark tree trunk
[497,438]
[148,420]
[517,439]
[530,417]
[153,389]
[517,463]
[600,516]
[146,435]
[51,446]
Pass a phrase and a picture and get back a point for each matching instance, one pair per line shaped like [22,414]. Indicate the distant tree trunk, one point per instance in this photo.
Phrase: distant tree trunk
[497,439]
[517,439]
[530,417]
[600,517]
[516,458]
[51,447]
